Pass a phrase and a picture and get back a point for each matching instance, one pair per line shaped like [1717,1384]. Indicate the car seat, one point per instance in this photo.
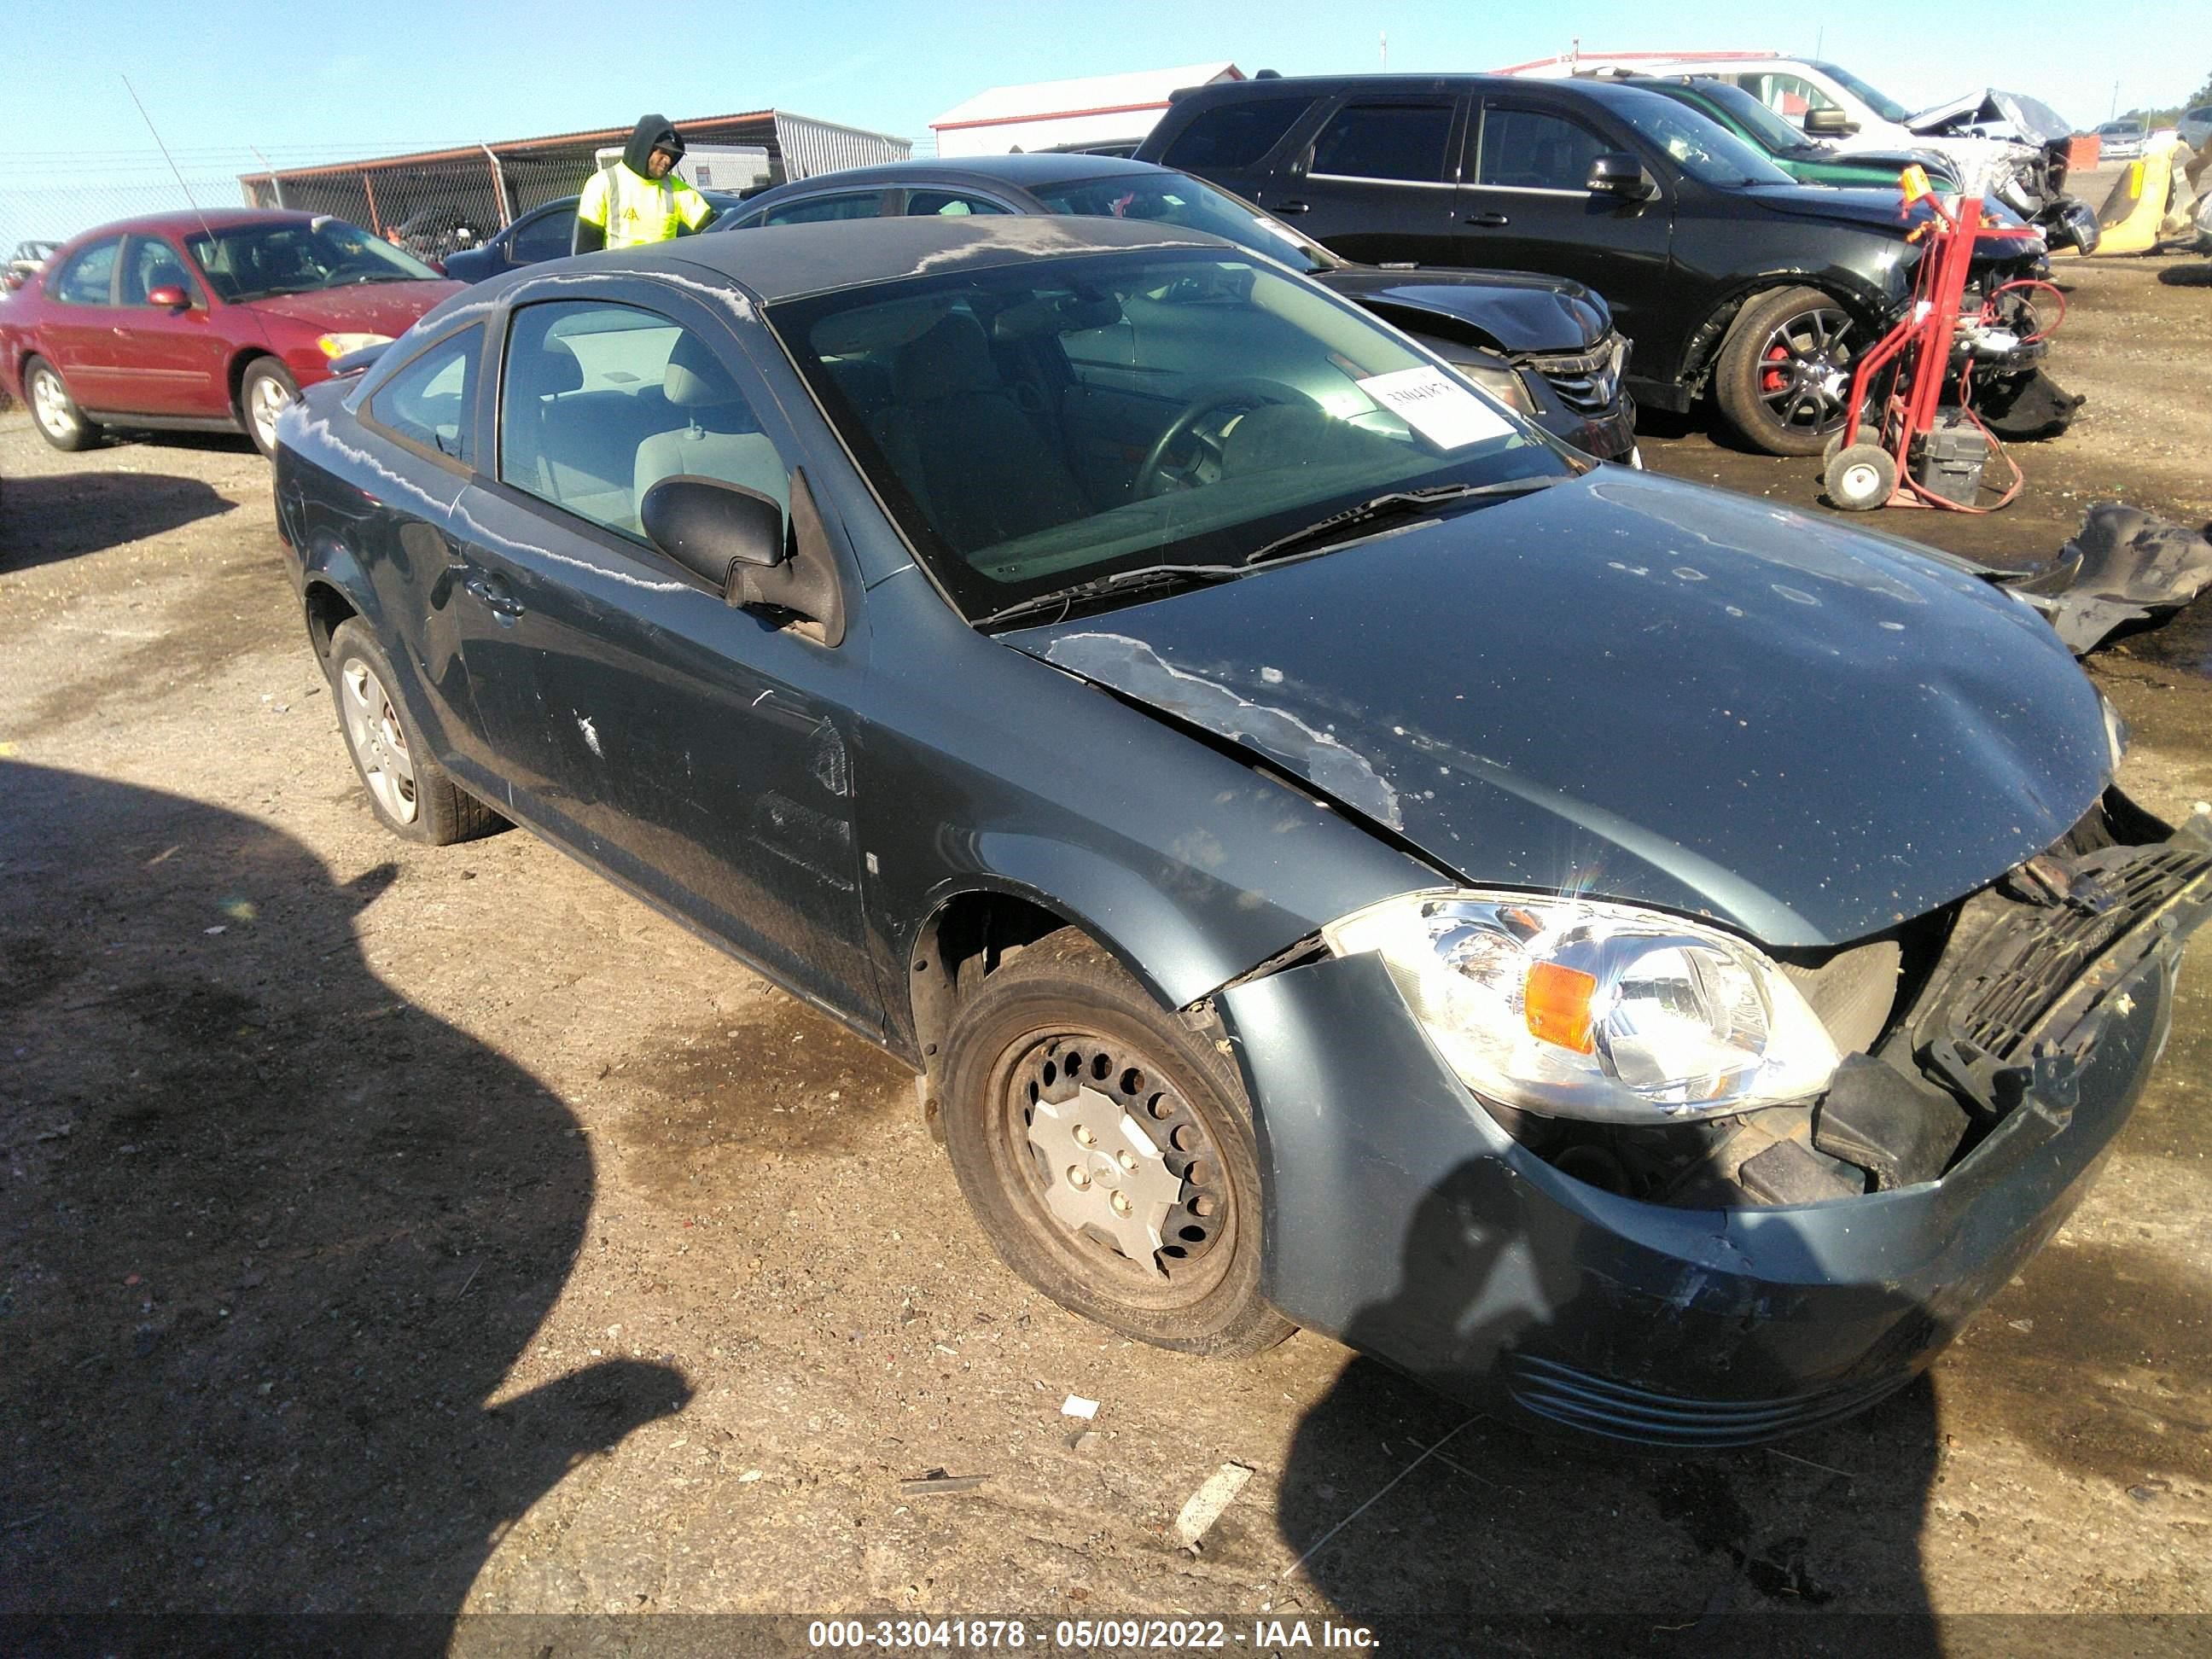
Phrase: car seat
[981,473]
[719,438]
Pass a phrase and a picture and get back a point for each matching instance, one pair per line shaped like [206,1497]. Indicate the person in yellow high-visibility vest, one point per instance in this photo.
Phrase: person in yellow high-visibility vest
[640,199]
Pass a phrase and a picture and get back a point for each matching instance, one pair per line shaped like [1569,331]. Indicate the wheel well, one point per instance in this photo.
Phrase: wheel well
[326,609]
[967,938]
[238,365]
[1705,346]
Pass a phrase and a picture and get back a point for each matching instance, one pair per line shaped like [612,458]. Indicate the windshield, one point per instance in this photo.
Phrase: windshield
[1766,128]
[1701,147]
[253,262]
[1881,103]
[1176,198]
[1038,425]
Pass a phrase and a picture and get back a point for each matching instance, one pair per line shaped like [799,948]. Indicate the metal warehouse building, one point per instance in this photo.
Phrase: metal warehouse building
[490,183]
[1096,109]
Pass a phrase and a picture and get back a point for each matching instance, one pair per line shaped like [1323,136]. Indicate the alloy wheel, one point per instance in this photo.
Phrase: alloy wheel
[1805,369]
[50,404]
[264,403]
[379,742]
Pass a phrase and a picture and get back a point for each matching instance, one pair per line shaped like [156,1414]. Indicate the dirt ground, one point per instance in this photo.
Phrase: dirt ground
[432,1232]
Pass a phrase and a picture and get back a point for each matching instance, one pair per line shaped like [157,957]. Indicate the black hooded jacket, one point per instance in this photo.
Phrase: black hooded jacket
[652,132]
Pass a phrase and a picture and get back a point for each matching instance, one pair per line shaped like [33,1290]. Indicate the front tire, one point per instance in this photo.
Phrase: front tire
[409,793]
[1106,1147]
[263,392]
[1785,373]
[53,411]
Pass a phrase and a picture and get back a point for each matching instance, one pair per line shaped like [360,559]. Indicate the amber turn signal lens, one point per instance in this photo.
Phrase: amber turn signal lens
[1558,1003]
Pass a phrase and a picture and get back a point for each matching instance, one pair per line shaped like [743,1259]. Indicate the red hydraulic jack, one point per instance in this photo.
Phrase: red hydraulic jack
[1902,444]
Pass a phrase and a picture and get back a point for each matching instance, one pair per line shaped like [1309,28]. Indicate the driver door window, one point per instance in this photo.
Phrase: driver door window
[1790,96]
[1528,149]
[601,402]
[153,263]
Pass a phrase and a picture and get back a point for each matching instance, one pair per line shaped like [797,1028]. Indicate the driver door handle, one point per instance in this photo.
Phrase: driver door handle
[1488,221]
[1290,210]
[493,592]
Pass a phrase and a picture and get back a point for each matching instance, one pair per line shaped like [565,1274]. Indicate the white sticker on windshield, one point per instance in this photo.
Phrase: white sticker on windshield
[1437,406]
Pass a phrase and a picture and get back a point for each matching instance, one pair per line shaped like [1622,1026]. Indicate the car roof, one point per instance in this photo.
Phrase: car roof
[1022,172]
[783,262]
[1611,90]
[185,221]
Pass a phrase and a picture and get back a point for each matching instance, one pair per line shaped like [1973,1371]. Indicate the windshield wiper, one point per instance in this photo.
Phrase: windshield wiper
[1148,575]
[1397,503]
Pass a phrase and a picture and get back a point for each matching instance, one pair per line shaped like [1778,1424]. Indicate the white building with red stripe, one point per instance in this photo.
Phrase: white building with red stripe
[1097,109]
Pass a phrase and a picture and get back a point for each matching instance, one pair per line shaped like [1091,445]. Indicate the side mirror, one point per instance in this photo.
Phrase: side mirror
[168,297]
[712,528]
[1617,175]
[733,539]
[1829,122]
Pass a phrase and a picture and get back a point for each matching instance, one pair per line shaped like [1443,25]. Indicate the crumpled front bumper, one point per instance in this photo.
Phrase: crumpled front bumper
[1402,1218]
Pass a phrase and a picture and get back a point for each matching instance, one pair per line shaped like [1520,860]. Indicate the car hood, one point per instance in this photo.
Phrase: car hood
[2030,120]
[1521,311]
[361,308]
[1877,209]
[1645,691]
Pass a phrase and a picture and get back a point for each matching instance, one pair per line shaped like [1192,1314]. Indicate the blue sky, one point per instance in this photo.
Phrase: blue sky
[219,75]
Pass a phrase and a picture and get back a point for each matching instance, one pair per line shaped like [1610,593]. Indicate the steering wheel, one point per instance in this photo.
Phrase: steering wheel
[1155,476]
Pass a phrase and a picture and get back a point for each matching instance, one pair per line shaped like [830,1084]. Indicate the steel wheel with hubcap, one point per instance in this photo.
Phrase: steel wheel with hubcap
[412,794]
[1106,1147]
[53,411]
[266,387]
[1784,375]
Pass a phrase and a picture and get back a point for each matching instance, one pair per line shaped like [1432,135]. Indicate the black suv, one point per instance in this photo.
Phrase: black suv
[1727,274]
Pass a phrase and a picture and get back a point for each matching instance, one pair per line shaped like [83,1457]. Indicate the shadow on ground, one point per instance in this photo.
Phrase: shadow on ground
[62,515]
[272,1238]
[1495,1539]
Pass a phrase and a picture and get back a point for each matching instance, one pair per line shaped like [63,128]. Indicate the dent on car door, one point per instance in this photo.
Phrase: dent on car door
[699,752]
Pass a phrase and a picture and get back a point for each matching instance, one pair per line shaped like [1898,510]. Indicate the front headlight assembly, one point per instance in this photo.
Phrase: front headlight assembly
[1577,1009]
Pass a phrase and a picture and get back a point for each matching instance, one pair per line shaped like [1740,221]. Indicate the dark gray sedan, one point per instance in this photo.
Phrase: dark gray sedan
[1543,344]
[1625,953]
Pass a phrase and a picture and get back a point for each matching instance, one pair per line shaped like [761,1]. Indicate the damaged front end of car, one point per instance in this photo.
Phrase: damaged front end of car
[1697,1277]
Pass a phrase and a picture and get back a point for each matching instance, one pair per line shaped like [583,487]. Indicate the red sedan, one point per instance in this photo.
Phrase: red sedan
[200,322]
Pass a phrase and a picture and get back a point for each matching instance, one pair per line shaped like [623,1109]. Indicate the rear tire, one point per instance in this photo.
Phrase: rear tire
[1861,477]
[1784,372]
[53,411]
[1045,1065]
[409,793]
[263,390]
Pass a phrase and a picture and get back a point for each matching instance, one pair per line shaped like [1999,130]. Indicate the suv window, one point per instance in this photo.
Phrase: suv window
[152,263]
[600,402]
[89,278]
[1234,135]
[546,237]
[1385,141]
[1523,149]
[855,205]
[429,401]
[948,203]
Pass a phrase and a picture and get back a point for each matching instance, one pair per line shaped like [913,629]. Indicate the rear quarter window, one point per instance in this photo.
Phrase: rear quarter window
[1234,135]
[431,401]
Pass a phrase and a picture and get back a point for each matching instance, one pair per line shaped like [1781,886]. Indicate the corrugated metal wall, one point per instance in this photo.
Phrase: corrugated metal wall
[809,146]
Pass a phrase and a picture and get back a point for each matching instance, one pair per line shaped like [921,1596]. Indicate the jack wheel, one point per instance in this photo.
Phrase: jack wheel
[1861,477]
